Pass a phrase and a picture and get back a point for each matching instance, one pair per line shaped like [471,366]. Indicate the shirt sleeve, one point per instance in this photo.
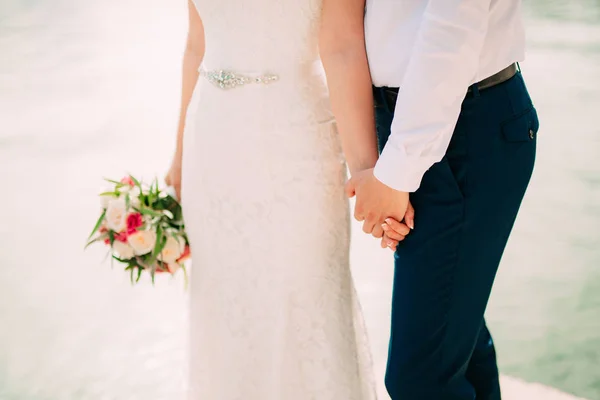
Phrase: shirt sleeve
[443,63]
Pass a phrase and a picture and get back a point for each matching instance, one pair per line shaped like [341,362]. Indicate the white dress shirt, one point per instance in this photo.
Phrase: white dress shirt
[433,50]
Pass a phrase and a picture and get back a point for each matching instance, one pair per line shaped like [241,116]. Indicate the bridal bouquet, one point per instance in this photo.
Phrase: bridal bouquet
[143,227]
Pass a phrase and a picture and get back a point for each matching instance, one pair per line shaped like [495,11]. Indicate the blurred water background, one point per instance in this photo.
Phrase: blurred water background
[90,89]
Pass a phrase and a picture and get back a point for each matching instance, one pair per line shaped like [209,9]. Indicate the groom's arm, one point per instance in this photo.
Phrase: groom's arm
[443,63]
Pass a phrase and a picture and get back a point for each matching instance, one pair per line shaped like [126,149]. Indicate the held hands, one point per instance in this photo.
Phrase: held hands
[381,208]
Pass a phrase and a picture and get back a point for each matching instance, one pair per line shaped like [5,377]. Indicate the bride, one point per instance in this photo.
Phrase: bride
[274,313]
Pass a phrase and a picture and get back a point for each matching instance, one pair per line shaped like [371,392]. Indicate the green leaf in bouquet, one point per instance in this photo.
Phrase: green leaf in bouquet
[139,261]
[161,241]
[123,262]
[147,211]
[170,208]
[118,185]
[127,201]
[167,200]
[114,193]
[176,224]
[151,268]
[98,223]
[175,208]
[136,182]
[134,267]
[98,239]
[185,276]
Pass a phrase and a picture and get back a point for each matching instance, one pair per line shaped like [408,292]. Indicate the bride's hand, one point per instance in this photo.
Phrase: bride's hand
[394,231]
[173,177]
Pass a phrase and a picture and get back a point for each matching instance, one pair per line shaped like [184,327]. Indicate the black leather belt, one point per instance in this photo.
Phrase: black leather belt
[391,94]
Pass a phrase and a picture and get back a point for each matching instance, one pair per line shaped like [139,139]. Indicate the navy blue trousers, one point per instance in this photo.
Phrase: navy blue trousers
[440,347]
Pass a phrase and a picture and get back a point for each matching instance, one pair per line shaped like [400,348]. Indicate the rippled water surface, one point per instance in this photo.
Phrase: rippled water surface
[90,89]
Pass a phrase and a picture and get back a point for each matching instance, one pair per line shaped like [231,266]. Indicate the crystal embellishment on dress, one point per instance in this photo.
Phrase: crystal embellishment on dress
[229,79]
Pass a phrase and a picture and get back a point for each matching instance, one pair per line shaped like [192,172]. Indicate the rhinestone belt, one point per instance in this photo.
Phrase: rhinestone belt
[228,79]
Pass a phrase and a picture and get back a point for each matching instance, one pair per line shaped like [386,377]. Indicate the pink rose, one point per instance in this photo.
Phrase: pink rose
[128,181]
[134,221]
[121,237]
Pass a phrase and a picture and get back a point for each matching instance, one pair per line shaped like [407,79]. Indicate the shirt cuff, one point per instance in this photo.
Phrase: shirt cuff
[396,170]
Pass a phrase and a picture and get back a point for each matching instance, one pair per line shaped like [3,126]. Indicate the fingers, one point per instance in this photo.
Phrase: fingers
[358,213]
[369,224]
[409,217]
[389,243]
[392,234]
[377,231]
[391,225]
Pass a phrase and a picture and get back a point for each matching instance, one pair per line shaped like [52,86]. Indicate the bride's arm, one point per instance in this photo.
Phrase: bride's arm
[342,48]
[192,57]
[194,52]
[344,56]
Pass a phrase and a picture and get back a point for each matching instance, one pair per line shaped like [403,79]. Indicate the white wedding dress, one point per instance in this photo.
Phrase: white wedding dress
[274,314]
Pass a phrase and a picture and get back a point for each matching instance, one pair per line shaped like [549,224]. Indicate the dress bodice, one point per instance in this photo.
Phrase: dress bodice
[259,35]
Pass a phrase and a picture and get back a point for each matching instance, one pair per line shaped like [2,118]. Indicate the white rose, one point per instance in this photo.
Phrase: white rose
[142,242]
[123,250]
[116,215]
[172,250]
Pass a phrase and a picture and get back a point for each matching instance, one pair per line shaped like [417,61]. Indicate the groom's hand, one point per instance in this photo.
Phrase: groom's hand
[375,202]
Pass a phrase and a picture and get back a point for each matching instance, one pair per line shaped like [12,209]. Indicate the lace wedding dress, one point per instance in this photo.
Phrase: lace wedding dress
[274,314]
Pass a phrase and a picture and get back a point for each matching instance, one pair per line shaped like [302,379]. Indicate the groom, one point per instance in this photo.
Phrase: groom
[457,131]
